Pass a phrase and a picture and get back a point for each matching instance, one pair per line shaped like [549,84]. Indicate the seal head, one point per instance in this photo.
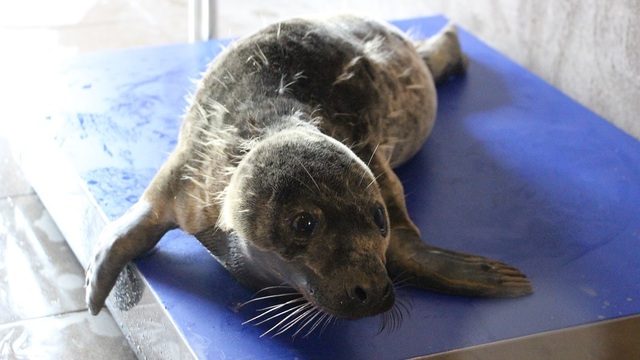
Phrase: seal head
[306,211]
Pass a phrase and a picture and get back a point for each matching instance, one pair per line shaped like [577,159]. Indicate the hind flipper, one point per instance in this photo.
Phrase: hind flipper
[443,55]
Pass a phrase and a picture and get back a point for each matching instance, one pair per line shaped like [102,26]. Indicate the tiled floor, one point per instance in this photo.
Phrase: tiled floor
[42,310]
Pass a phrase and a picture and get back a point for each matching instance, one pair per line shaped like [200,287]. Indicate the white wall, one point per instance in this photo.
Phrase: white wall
[589,49]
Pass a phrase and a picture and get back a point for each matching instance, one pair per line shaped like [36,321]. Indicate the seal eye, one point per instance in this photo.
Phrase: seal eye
[304,224]
[380,220]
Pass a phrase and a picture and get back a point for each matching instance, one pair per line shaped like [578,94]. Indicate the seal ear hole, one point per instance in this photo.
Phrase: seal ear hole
[380,219]
[304,224]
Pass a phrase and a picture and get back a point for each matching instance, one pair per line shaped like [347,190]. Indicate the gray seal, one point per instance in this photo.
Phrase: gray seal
[283,171]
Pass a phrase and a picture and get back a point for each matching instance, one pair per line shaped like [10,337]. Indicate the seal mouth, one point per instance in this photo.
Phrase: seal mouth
[288,309]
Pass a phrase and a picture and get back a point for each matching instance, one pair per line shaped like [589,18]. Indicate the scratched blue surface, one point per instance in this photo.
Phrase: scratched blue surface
[514,170]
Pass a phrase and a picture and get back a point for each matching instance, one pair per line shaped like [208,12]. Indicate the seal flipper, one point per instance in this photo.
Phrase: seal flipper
[410,259]
[442,54]
[429,267]
[134,233]
[122,240]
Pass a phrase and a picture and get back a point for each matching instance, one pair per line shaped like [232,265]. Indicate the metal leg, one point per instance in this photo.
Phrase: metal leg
[202,17]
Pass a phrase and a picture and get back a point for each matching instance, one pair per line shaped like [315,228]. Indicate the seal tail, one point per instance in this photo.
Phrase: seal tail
[443,55]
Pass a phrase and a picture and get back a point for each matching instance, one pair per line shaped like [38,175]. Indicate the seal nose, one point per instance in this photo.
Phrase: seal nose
[372,295]
[362,294]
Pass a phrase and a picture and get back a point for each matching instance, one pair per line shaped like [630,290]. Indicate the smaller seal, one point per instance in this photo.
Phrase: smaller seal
[283,171]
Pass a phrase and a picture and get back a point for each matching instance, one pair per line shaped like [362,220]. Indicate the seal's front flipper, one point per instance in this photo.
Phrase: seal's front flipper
[122,240]
[409,258]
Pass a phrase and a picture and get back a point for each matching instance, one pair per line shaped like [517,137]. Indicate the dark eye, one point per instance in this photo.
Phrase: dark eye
[304,224]
[380,220]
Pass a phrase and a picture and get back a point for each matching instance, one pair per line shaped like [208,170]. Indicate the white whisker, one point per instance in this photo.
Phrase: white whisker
[308,173]
[271,309]
[276,315]
[374,180]
[327,320]
[293,311]
[365,172]
[304,308]
[316,313]
[373,154]
[392,319]
[267,297]
[297,312]
[315,324]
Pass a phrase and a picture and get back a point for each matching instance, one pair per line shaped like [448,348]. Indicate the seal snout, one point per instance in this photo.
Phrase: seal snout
[368,299]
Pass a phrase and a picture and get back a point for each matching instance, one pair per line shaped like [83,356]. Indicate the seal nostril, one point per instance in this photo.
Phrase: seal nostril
[387,290]
[360,293]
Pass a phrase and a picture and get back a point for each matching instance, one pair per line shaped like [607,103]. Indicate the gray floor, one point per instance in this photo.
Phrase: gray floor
[42,309]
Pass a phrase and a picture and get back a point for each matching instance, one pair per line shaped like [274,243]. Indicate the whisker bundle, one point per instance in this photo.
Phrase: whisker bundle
[290,313]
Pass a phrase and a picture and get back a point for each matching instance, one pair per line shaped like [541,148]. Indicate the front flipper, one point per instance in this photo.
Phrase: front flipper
[410,259]
[122,240]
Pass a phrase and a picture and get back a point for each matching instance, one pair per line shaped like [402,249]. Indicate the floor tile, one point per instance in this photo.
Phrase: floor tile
[12,180]
[75,335]
[39,274]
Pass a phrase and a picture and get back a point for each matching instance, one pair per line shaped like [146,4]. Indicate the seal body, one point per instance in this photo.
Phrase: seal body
[362,79]
[283,170]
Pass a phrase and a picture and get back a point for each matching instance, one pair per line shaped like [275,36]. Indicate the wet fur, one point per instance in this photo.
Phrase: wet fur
[307,116]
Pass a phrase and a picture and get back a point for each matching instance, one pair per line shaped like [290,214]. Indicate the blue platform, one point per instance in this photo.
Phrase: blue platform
[514,170]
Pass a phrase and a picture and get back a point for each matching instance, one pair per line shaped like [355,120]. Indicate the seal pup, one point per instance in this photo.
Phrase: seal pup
[283,171]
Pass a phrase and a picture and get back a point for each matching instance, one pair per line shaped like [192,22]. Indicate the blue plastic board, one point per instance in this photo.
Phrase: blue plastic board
[514,170]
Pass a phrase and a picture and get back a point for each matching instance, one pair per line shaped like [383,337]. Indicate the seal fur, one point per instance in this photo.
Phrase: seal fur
[283,170]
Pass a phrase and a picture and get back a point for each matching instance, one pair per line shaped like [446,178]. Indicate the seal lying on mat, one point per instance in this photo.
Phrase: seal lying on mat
[283,171]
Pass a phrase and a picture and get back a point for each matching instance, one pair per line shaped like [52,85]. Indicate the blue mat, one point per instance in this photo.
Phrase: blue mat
[514,170]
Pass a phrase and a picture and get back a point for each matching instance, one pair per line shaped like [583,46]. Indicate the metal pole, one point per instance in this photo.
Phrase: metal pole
[202,17]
